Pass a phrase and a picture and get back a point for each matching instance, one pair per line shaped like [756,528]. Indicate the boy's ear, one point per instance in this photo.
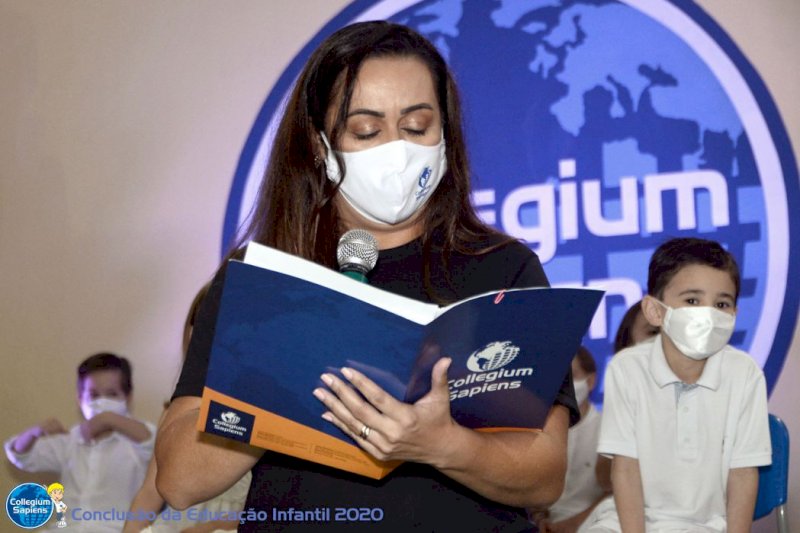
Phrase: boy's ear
[591,381]
[653,311]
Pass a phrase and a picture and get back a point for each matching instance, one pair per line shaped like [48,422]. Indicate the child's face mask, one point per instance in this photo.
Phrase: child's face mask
[99,405]
[581,390]
[698,332]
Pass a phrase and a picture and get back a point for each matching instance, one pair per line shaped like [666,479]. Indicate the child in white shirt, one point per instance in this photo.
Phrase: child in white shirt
[685,414]
[100,462]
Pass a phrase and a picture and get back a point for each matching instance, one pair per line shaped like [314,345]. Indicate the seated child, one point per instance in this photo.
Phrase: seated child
[685,414]
[633,329]
[100,462]
[581,489]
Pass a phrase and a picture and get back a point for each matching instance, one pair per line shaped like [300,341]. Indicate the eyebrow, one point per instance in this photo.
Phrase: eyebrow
[691,291]
[700,291]
[404,111]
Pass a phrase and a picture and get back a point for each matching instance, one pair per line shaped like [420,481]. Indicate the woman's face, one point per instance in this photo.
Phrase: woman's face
[393,99]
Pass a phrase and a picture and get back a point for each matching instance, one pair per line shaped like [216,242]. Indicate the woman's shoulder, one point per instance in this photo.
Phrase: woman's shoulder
[501,258]
[492,244]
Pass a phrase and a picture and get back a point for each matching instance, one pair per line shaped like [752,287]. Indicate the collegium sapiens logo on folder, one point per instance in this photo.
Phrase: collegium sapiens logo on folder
[486,377]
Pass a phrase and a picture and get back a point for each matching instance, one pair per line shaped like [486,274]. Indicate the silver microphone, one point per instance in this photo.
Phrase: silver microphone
[357,253]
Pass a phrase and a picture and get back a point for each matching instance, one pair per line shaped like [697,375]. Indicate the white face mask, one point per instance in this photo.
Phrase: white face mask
[581,390]
[390,182]
[698,332]
[94,407]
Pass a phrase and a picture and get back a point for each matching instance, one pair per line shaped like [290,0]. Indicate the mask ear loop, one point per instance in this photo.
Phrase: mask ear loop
[661,317]
[325,142]
[331,162]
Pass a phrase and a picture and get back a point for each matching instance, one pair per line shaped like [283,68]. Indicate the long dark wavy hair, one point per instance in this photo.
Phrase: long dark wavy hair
[294,211]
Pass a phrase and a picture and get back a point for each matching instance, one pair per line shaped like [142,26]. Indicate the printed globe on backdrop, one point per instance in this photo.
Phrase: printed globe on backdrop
[597,130]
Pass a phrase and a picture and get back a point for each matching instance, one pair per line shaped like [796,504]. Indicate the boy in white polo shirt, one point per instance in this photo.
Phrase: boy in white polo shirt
[685,414]
[101,462]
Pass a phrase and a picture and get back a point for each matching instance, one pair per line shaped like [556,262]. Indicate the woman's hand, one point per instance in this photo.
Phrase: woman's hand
[386,428]
[518,468]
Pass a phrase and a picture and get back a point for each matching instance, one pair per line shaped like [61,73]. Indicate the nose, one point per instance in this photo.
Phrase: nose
[393,133]
[397,158]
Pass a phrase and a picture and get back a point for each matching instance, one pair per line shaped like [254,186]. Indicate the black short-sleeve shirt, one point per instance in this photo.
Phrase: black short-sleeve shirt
[414,496]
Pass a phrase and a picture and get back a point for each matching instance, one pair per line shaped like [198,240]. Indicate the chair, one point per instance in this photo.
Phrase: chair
[773,480]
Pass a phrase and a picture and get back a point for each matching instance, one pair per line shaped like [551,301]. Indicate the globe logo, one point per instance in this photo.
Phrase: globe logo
[607,128]
[29,506]
[230,417]
[492,356]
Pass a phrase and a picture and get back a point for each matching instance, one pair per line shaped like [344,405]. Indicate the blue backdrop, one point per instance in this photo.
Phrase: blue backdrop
[598,129]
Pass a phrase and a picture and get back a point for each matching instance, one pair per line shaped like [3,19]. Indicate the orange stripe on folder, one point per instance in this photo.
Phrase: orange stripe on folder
[282,435]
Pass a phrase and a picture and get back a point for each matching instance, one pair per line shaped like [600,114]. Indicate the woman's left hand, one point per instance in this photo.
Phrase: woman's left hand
[386,428]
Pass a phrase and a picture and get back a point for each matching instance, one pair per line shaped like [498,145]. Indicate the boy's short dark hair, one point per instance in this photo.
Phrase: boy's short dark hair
[106,361]
[586,360]
[676,254]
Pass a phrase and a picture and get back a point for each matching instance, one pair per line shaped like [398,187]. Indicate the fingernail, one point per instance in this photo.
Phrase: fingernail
[327,416]
[327,379]
[319,393]
[347,372]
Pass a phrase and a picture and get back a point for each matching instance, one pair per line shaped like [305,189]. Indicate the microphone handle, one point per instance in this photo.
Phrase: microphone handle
[355,274]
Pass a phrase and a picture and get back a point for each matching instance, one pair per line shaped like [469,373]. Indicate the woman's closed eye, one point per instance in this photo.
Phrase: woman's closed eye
[414,132]
[366,136]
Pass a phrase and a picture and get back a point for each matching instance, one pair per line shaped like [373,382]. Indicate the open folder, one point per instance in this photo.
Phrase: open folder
[283,321]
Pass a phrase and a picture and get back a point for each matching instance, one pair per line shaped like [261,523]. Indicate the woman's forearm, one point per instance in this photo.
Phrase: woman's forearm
[521,469]
[193,466]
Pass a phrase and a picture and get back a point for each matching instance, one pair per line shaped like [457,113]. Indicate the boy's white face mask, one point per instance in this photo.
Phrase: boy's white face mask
[94,407]
[390,182]
[581,390]
[698,332]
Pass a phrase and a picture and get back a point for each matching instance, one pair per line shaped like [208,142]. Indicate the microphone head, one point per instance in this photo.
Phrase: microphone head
[357,251]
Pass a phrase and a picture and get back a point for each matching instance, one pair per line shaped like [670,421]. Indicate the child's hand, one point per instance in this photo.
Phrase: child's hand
[98,425]
[51,426]
[25,440]
[106,422]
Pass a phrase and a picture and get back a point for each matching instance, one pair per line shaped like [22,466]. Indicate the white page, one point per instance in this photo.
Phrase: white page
[277,261]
